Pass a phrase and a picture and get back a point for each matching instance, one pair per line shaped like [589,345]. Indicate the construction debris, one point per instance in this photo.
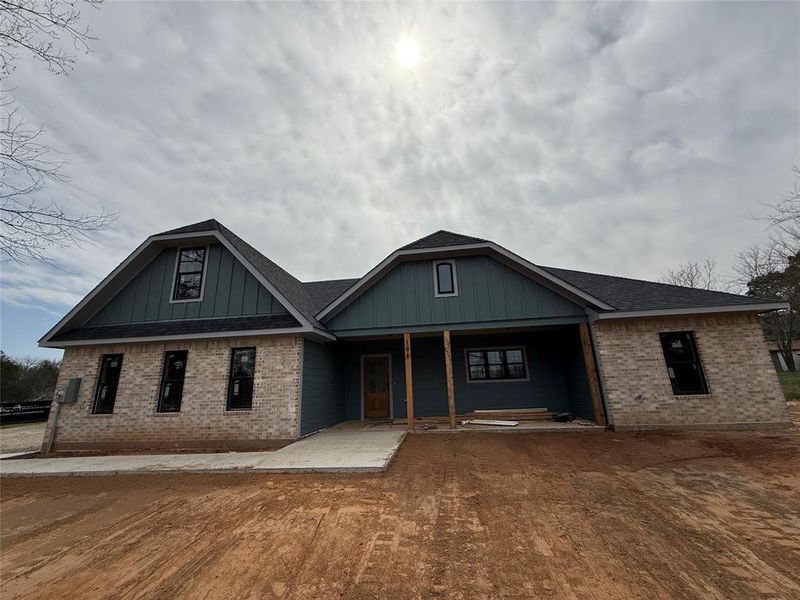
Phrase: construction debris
[490,422]
[427,426]
[507,410]
[564,417]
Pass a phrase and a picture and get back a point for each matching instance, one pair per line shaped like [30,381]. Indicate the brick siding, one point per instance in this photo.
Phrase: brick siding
[202,420]
[743,386]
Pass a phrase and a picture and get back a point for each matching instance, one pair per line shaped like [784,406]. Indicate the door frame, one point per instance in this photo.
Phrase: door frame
[391,382]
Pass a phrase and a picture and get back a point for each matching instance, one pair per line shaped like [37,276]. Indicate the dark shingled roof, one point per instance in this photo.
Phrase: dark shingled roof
[443,238]
[635,294]
[620,292]
[207,225]
[323,293]
[184,327]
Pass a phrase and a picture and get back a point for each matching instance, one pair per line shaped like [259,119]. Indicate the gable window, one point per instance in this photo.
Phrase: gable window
[444,278]
[171,391]
[240,383]
[189,274]
[683,363]
[107,382]
[496,364]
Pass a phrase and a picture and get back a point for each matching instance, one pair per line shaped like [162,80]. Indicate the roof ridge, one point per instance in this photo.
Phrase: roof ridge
[681,287]
[442,238]
[204,225]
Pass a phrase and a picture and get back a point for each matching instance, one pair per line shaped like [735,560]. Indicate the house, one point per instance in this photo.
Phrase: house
[198,339]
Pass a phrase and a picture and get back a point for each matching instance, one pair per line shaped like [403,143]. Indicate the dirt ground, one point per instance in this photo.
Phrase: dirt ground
[25,437]
[585,515]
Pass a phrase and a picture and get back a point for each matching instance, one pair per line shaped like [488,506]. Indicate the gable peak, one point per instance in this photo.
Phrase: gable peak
[442,238]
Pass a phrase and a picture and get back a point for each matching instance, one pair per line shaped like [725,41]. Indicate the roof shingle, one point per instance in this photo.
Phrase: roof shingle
[442,238]
[182,327]
[636,294]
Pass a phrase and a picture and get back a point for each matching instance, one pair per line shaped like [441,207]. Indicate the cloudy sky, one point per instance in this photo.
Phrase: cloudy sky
[619,138]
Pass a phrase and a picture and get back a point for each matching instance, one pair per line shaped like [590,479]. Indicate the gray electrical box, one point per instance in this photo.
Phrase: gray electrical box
[73,387]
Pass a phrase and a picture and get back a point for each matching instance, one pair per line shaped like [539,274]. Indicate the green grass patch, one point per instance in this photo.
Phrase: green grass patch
[790,381]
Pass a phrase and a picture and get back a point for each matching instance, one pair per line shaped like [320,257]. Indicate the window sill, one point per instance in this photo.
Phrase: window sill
[691,395]
[238,411]
[101,415]
[167,414]
[521,380]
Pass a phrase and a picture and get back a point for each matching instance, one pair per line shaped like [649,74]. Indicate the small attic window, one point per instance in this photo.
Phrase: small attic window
[444,278]
[189,272]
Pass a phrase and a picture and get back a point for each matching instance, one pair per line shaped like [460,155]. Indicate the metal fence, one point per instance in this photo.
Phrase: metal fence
[25,412]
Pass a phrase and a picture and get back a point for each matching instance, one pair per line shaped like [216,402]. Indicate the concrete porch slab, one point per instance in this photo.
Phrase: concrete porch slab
[438,425]
[330,451]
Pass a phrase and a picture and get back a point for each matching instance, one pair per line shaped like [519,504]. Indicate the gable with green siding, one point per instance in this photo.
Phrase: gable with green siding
[230,290]
[487,291]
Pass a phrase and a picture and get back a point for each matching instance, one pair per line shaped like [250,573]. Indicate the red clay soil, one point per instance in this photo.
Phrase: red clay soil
[592,515]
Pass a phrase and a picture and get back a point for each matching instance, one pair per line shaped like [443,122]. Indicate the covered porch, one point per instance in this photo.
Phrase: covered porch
[435,380]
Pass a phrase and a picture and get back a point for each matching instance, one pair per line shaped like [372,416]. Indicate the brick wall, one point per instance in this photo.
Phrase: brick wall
[743,385]
[203,420]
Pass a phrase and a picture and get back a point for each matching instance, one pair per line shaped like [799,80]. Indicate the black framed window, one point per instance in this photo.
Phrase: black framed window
[445,275]
[503,363]
[189,273]
[107,382]
[240,382]
[683,363]
[171,391]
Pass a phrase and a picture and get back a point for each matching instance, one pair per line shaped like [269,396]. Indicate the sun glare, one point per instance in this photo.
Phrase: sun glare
[406,53]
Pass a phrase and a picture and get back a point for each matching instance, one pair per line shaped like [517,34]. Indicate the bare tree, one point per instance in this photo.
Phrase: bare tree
[773,271]
[785,216]
[703,275]
[30,226]
[757,261]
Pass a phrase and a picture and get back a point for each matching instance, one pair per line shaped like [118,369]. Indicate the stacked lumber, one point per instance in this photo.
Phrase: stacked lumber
[523,414]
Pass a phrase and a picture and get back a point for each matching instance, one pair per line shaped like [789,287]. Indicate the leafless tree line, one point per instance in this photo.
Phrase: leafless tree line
[29,224]
[770,270]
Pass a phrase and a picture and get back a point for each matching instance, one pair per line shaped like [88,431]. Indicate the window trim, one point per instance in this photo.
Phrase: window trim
[697,359]
[100,382]
[163,381]
[228,408]
[452,263]
[172,299]
[522,347]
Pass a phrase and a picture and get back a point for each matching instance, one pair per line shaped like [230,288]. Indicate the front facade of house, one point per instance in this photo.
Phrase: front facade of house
[199,340]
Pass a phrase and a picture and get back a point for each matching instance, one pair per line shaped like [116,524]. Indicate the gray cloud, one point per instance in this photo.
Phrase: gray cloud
[615,137]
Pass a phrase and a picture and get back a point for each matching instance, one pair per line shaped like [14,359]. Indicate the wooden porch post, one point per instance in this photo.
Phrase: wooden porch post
[451,394]
[591,374]
[409,381]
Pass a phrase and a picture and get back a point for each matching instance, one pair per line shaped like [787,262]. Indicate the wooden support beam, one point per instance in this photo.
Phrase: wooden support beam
[409,382]
[591,374]
[451,394]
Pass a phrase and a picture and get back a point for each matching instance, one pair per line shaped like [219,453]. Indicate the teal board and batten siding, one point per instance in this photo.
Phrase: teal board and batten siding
[487,291]
[230,290]
[322,397]
[557,378]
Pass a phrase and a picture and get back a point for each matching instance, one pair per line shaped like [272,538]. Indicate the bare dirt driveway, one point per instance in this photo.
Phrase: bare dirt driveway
[592,515]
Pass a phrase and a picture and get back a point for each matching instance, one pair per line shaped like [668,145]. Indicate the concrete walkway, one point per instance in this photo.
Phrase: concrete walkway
[328,451]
